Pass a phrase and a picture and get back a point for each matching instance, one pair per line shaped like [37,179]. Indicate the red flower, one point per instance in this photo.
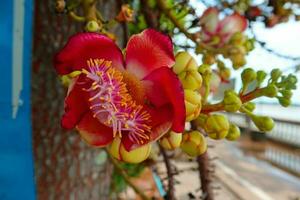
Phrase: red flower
[218,32]
[138,98]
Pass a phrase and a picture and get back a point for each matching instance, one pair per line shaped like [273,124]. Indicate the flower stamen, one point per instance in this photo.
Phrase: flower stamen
[112,104]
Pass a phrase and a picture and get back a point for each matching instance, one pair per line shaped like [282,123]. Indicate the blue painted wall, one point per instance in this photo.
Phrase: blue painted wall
[16,157]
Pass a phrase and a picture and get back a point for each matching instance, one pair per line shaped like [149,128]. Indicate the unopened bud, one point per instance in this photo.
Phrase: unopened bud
[263,123]
[60,6]
[238,60]
[248,75]
[184,62]
[171,140]
[92,26]
[249,106]
[233,133]
[275,74]
[192,101]
[216,126]
[126,14]
[118,151]
[249,45]
[193,143]
[270,91]
[286,93]
[190,79]
[231,101]
[260,77]
[285,102]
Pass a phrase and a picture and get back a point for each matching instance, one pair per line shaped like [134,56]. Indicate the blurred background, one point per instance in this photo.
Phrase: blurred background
[38,160]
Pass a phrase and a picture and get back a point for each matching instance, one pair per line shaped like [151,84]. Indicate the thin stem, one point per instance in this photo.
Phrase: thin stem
[244,98]
[127,178]
[170,191]
[76,17]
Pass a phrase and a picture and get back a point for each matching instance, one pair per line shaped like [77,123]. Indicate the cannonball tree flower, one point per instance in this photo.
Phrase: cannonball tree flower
[136,98]
[216,32]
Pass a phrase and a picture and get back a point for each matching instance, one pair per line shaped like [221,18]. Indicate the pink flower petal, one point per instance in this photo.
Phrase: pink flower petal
[84,46]
[93,132]
[75,105]
[232,24]
[209,20]
[163,87]
[148,51]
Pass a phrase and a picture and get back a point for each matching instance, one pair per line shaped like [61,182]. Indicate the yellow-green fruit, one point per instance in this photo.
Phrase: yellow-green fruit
[118,151]
[192,101]
[263,123]
[92,26]
[184,62]
[216,126]
[193,143]
[171,140]
[233,133]
[190,79]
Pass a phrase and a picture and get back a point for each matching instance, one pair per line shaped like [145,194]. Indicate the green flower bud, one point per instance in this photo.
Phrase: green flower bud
[184,62]
[190,79]
[231,101]
[285,102]
[292,79]
[171,140]
[193,143]
[249,45]
[263,123]
[233,132]
[249,106]
[260,77]
[289,82]
[286,93]
[238,60]
[92,26]
[275,74]
[193,104]
[216,126]
[270,91]
[118,151]
[248,75]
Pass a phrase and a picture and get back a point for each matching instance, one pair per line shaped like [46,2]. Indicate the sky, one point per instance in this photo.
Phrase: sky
[283,38]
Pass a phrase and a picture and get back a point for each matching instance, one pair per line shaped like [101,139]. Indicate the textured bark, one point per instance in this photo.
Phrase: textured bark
[65,166]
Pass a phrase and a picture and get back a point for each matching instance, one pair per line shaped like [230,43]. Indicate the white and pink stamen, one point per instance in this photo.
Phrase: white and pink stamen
[111,103]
